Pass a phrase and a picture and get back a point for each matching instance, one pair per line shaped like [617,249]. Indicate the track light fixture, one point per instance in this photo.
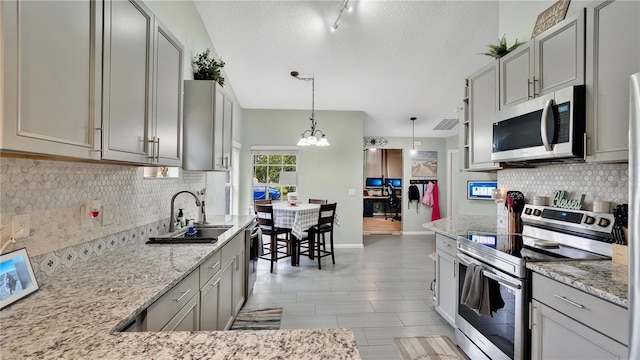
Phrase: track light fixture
[343,6]
[312,139]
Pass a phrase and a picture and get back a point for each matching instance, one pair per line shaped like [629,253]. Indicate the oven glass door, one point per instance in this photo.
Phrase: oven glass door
[501,328]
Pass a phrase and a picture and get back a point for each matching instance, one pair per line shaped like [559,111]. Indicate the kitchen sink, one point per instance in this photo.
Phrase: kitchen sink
[204,234]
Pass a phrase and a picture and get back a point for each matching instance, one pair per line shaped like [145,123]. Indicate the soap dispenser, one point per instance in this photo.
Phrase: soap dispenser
[180,219]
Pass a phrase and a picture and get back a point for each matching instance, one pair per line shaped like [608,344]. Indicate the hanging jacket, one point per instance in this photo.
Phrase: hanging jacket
[414,195]
[435,212]
[427,199]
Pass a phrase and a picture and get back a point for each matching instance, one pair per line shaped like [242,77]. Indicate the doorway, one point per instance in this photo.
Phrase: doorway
[382,195]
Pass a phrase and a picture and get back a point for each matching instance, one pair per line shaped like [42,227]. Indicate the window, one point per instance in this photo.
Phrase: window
[274,173]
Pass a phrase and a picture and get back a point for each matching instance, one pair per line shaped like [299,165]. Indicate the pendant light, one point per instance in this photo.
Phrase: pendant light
[311,139]
[413,136]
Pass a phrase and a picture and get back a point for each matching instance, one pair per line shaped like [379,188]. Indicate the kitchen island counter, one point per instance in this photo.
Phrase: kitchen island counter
[461,224]
[602,278]
[76,313]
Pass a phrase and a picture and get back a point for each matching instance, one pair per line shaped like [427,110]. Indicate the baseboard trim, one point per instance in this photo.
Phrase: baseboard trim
[417,233]
[348,246]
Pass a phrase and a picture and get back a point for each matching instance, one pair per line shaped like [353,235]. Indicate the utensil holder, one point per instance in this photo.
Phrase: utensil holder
[514,225]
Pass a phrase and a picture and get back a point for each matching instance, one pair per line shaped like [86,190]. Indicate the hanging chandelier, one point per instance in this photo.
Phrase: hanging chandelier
[312,138]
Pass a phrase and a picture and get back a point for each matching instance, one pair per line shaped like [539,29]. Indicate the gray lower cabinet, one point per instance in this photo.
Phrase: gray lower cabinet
[567,323]
[482,87]
[187,319]
[446,278]
[238,281]
[51,70]
[611,26]
[209,294]
[178,307]
[225,300]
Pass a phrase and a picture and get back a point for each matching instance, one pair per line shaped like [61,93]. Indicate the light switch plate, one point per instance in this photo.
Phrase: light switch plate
[85,219]
[352,192]
[108,215]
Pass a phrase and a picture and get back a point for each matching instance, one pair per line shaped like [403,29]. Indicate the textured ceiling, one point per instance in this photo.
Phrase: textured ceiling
[391,59]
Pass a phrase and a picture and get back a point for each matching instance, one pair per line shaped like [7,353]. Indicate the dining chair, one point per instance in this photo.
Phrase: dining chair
[317,201]
[277,251]
[315,239]
[262,202]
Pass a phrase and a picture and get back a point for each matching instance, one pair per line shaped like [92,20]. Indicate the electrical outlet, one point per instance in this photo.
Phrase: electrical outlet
[21,222]
[108,215]
[86,222]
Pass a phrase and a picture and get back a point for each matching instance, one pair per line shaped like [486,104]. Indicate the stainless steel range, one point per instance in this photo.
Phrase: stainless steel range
[548,234]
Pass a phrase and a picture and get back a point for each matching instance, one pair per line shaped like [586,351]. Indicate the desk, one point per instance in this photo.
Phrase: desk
[379,202]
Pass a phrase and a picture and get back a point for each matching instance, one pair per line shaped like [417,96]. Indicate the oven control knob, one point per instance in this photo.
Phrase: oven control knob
[537,212]
[527,211]
[590,220]
[604,222]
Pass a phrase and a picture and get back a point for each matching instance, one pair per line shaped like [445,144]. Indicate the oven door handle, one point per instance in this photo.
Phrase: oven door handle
[466,260]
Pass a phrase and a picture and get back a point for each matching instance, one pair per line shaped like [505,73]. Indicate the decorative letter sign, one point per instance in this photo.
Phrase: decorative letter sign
[560,201]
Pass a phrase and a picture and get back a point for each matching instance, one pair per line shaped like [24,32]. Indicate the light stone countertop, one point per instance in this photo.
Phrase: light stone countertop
[461,224]
[601,278]
[74,314]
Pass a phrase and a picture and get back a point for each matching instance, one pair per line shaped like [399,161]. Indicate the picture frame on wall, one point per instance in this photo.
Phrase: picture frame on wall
[18,279]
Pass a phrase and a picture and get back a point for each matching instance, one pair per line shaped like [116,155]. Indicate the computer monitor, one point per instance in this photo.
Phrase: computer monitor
[373,182]
[395,182]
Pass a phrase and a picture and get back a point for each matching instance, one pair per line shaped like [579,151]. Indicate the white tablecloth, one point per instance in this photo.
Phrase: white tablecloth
[298,218]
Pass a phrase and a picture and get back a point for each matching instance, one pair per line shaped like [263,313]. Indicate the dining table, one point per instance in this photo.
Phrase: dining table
[299,218]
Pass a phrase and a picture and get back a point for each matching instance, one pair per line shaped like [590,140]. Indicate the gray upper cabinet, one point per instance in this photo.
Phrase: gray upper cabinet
[51,77]
[166,132]
[142,87]
[551,61]
[483,103]
[128,49]
[613,53]
[516,72]
[207,126]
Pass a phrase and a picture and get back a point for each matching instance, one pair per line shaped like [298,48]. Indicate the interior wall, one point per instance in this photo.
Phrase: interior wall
[334,172]
[466,206]
[517,18]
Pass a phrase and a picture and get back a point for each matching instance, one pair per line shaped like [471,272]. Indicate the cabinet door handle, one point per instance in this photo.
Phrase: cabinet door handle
[183,295]
[535,81]
[569,301]
[215,265]
[529,84]
[158,153]
[153,148]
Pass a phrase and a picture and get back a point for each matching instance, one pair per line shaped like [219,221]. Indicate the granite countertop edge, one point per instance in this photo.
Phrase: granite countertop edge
[601,278]
[77,312]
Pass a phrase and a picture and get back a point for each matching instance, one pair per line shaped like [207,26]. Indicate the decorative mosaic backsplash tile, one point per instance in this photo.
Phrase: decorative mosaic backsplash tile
[607,182]
[52,192]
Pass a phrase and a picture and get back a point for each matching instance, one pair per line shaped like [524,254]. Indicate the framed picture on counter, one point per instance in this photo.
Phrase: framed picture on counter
[17,277]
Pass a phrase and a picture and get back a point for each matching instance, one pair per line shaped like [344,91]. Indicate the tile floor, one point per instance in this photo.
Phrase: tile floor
[380,292]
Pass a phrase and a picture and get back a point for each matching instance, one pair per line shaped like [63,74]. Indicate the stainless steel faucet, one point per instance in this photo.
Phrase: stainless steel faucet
[172,225]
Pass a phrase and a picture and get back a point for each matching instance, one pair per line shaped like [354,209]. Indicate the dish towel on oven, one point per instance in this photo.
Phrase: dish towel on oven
[475,291]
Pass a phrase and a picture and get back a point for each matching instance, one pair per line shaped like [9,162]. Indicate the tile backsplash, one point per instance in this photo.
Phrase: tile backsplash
[52,192]
[607,182]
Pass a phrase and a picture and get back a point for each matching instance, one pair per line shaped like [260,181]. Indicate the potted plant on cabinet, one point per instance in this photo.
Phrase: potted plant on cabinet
[205,67]
[501,49]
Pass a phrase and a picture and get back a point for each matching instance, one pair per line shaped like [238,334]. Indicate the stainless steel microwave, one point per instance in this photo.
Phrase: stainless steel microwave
[549,127]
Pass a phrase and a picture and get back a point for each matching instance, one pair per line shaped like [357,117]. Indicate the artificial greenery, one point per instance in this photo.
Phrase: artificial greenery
[501,49]
[205,67]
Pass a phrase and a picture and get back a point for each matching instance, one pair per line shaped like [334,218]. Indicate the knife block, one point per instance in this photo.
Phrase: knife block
[620,253]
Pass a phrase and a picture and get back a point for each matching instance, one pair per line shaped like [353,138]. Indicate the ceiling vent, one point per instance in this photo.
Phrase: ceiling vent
[446,124]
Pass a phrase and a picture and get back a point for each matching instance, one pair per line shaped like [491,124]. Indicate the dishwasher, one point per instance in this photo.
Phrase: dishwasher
[252,248]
